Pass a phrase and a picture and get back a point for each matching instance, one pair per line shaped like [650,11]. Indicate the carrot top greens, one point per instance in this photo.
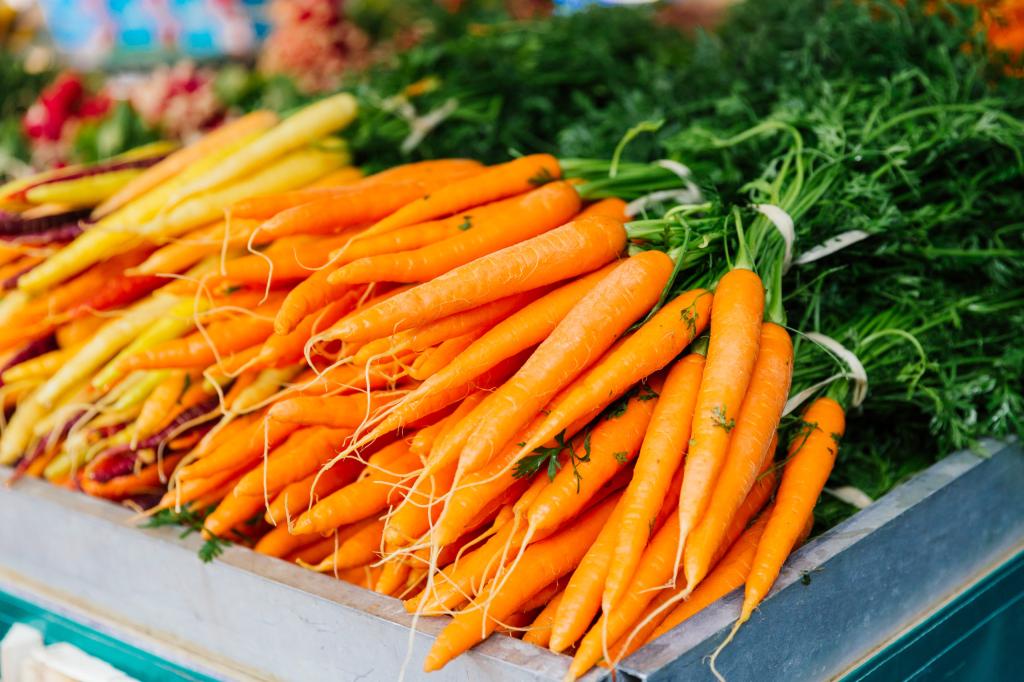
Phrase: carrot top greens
[885,131]
[192,522]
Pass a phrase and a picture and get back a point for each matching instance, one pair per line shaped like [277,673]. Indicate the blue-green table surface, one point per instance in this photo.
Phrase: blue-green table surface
[979,635]
[56,628]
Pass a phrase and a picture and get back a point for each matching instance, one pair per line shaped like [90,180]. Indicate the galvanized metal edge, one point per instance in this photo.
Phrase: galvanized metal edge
[248,614]
[854,588]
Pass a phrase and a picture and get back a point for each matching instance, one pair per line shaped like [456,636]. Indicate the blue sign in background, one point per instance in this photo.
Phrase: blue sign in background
[98,31]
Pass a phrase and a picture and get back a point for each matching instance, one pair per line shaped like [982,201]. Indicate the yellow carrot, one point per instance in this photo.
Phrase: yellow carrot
[309,124]
[103,346]
[217,139]
[179,319]
[295,169]
[82,192]
[118,231]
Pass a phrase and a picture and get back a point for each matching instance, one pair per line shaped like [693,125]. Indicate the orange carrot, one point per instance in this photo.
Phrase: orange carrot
[301,455]
[583,593]
[421,506]
[403,239]
[339,178]
[189,249]
[809,463]
[284,349]
[346,207]
[605,450]
[656,568]
[203,348]
[338,411]
[657,610]
[150,478]
[364,576]
[233,510]
[662,452]
[443,170]
[425,437]
[208,501]
[238,361]
[442,355]
[313,553]
[616,302]
[477,489]
[542,564]
[581,599]
[364,498]
[232,430]
[353,378]
[359,549]
[404,414]
[491,228]
[265,206]
[494,183]
[312,294]
[297,497]
[748,448]
[316,291]
[562,253]
[187,491]
[309,548]
[449,169]
[612,207]
[393,577]
[540,599]
[462,580]
[280,542]
[241,450]
[287,259]
[735,332]
[540,629]
[639,355]
[475,319]
[730,573]
[517,333]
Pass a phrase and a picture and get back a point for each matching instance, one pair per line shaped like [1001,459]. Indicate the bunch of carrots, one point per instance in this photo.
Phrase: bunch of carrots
[487,391]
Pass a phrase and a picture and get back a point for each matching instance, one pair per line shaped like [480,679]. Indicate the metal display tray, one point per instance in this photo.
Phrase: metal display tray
[841,598]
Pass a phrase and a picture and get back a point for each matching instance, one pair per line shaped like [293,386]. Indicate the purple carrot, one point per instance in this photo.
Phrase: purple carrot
[123,455]
[144,502]
[54,235]
[110,429]
[95,169]
[31,350]
[203,409]
[11,282]
[111,465]
[13,225]
[44,444]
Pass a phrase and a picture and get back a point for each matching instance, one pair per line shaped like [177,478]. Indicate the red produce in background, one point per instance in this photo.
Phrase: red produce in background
[52,120]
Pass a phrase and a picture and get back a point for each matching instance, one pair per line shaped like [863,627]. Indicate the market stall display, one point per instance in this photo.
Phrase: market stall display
[575,398]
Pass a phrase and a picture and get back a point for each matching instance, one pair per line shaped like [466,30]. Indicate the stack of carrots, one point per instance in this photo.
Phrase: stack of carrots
[473,388]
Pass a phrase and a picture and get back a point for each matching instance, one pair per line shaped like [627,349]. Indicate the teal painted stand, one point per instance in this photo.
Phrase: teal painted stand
[974,637]
[977,636]
[55,628]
